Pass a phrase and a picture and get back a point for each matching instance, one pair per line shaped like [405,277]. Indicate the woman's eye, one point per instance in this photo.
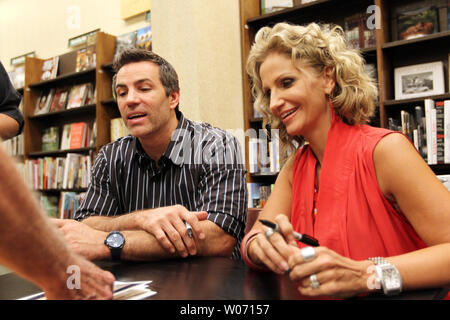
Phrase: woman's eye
[267,94]
[286,83]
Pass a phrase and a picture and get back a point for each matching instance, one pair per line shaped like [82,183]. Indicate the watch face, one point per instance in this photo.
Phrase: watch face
[114,240]
[392,280]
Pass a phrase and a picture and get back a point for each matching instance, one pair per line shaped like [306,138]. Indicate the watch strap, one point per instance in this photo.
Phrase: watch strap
[116,253]
[381,262]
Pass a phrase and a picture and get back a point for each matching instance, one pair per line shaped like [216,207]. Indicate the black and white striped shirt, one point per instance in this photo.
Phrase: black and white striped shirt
[202,169]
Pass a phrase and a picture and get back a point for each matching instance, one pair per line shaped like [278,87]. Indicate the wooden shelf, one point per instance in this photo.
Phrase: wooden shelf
[109,102]
[64,79]
[58,153]
[83,110]
[108,67]
[443,36]
[306,12]
[264,175]
[400,103]
[440,168]
[256,120]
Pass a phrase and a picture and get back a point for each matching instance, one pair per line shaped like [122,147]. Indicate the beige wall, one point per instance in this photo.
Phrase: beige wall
[199,37]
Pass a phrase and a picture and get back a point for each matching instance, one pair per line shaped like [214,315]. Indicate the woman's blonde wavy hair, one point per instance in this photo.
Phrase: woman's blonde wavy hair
[318,46]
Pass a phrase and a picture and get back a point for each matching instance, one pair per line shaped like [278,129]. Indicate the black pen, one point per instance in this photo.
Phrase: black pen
[300,237]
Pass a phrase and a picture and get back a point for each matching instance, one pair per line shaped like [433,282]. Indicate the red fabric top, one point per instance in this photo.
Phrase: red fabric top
[353,216]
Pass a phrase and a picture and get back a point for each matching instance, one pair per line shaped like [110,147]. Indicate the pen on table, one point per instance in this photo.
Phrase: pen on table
[189,229]
[300,237]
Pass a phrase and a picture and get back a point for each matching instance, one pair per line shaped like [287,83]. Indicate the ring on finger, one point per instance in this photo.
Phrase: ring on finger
[269,232]
[315,284]
[308,253]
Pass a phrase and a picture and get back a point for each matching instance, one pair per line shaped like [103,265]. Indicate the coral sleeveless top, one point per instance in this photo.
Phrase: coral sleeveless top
[352,216]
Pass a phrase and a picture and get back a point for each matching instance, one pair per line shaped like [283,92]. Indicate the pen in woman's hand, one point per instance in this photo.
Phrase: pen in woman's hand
[300,237]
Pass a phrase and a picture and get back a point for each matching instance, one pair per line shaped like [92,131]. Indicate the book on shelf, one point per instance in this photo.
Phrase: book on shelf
[118,129]
[69,202]
[65,137]
[429,130]
[50,139]
[17,77]
[44,102]
[258,194]
[445,179]
[447,131]
[144,38]
[430,118]
[77,96]
[60,99]
[53,173]
[253,155]
[421,132]
[50,204]
[126,40]
[80,135]
[14,146]
[77,135]
[50,68]
[357,33]
[86,58]
[91,94]
[439,105]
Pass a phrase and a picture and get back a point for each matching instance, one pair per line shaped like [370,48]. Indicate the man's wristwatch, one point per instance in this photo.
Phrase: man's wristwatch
[115,242]
[388,276]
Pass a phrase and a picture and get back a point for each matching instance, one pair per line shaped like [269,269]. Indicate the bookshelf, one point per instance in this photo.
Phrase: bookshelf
[388,54]
[93,113]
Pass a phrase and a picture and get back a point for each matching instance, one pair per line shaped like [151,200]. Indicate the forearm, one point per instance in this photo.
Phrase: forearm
[123,222]
[30,245]
[425,268]
[8,127]
[140,245]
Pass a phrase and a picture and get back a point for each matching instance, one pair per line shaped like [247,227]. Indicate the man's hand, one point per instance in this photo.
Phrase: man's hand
[83,239]
[94,283]
[167,225]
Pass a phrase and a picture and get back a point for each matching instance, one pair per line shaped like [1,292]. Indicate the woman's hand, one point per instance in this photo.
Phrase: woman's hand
[274,251]
[337,276]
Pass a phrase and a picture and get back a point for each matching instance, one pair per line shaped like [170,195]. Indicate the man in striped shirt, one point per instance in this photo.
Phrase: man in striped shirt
[170,173]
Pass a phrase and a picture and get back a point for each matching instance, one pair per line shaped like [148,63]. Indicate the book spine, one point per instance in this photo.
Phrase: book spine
[440,132]
[447,131]
[429,105]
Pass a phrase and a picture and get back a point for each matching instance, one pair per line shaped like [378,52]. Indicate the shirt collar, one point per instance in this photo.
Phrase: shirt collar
[178,140]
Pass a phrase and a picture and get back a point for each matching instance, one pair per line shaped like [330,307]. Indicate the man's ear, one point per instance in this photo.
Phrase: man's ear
[330,82]
[174,99]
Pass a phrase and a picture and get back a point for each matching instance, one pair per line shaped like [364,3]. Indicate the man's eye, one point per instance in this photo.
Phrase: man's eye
[121,94]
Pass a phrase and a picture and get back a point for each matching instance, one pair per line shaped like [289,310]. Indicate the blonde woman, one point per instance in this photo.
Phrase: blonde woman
[362,192]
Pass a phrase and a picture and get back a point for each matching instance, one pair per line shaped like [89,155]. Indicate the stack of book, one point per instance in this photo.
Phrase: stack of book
[258,194]
[428,128]
[77,135]
[65,97]
[50,173]
[264,155]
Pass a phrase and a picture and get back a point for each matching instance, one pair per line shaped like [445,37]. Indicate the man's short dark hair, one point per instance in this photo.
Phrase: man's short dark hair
[167,73]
